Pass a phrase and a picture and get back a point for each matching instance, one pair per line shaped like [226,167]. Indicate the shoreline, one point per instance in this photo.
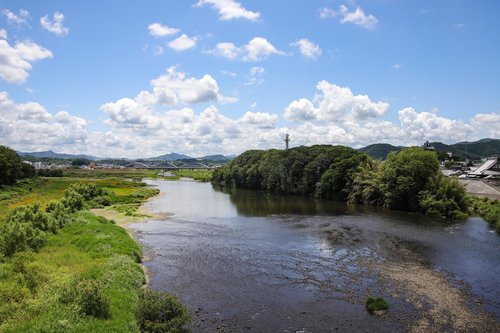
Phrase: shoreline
[124,221]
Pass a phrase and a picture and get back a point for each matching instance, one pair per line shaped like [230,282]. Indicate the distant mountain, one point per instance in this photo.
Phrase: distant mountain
[379,150]
[474,150]
[217,158]
[172,157]
[51,154]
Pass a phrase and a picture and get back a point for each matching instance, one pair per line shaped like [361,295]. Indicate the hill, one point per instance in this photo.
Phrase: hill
[379,150]
[475,150]
[52,154]
[217,158]
[172,157]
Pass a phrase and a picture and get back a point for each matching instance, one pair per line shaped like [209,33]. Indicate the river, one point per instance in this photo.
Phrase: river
[246,261]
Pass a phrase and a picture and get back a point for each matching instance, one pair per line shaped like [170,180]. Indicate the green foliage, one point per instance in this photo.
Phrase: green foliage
[49,172]
[405,174]
[80,162]
[444,197]
[488,209]
[322,171]
[376,304]
[87,295]
[159,312]
[199,175]
[12,167]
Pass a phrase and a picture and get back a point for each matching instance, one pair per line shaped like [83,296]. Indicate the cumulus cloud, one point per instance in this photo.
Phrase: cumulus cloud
[171,89]
[259,119]
[356,16]
[230,10]
[159,30]
[19,19]
[56,25]
[335,103]
[16,61]
[308,49]
[488,122]
[430,125]
[182,43]
[257,49]
[29,126]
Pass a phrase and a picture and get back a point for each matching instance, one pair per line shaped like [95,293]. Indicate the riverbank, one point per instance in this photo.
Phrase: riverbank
[87,276]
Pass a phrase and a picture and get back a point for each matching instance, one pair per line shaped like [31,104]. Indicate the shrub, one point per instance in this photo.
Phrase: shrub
[88,296]
[376,304]
[161,312]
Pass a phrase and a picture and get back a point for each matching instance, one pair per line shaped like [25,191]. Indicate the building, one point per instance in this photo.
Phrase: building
[489,168]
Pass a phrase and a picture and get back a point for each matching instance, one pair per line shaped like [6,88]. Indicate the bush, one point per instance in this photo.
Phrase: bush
[89,298]
[376,304]
[161,312]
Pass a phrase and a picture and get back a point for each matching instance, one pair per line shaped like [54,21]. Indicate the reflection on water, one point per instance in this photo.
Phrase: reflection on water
[250,261]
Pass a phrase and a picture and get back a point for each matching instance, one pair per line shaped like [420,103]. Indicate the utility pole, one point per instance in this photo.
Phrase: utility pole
[287,140]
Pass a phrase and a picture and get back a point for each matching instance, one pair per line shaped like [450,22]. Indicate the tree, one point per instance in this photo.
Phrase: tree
[405,174]
[12,167]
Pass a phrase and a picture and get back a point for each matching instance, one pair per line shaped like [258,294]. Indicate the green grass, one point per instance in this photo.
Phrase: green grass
[199,175]
[42,190]
[106,173]
[89,264]
[86,248]
[488,209]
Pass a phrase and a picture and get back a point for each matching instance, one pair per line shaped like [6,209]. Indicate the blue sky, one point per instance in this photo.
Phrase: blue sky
[144,78]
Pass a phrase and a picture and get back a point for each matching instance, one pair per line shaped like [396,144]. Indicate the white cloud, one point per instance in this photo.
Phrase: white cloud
[356,16]
[257,49]
[182,43]
[428,125]
[325,13]
[16,61]
[159,30]
[16,19]
[255,76]
[29,126]
[396,66]
[226,50]
[3,34]
[56,25]
[171,89]
[308,49]
[335,103]
[488,123]
[300,110]
[259,119]
[230,10]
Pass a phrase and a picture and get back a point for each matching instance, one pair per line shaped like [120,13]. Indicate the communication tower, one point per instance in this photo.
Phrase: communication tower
[287,140]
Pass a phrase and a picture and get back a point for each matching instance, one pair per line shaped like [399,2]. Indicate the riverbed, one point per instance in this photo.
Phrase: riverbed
[246,261]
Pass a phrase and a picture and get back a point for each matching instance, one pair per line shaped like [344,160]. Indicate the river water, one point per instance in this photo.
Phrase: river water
[246,261]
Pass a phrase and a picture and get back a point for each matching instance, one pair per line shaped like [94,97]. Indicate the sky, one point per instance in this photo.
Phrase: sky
[200,77]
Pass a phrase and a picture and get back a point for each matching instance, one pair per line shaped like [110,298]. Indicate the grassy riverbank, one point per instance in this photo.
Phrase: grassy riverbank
[86,275]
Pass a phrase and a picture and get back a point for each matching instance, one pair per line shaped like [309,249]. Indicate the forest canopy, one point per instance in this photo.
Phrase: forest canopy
[409,180]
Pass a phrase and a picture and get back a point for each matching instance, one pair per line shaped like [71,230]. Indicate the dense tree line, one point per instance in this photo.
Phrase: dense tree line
[408,180]
[12,167]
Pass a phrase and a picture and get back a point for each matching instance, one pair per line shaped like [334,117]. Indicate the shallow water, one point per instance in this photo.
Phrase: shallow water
[249,261]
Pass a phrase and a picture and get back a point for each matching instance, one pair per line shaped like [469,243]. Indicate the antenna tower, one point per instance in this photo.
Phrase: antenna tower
[287,140]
